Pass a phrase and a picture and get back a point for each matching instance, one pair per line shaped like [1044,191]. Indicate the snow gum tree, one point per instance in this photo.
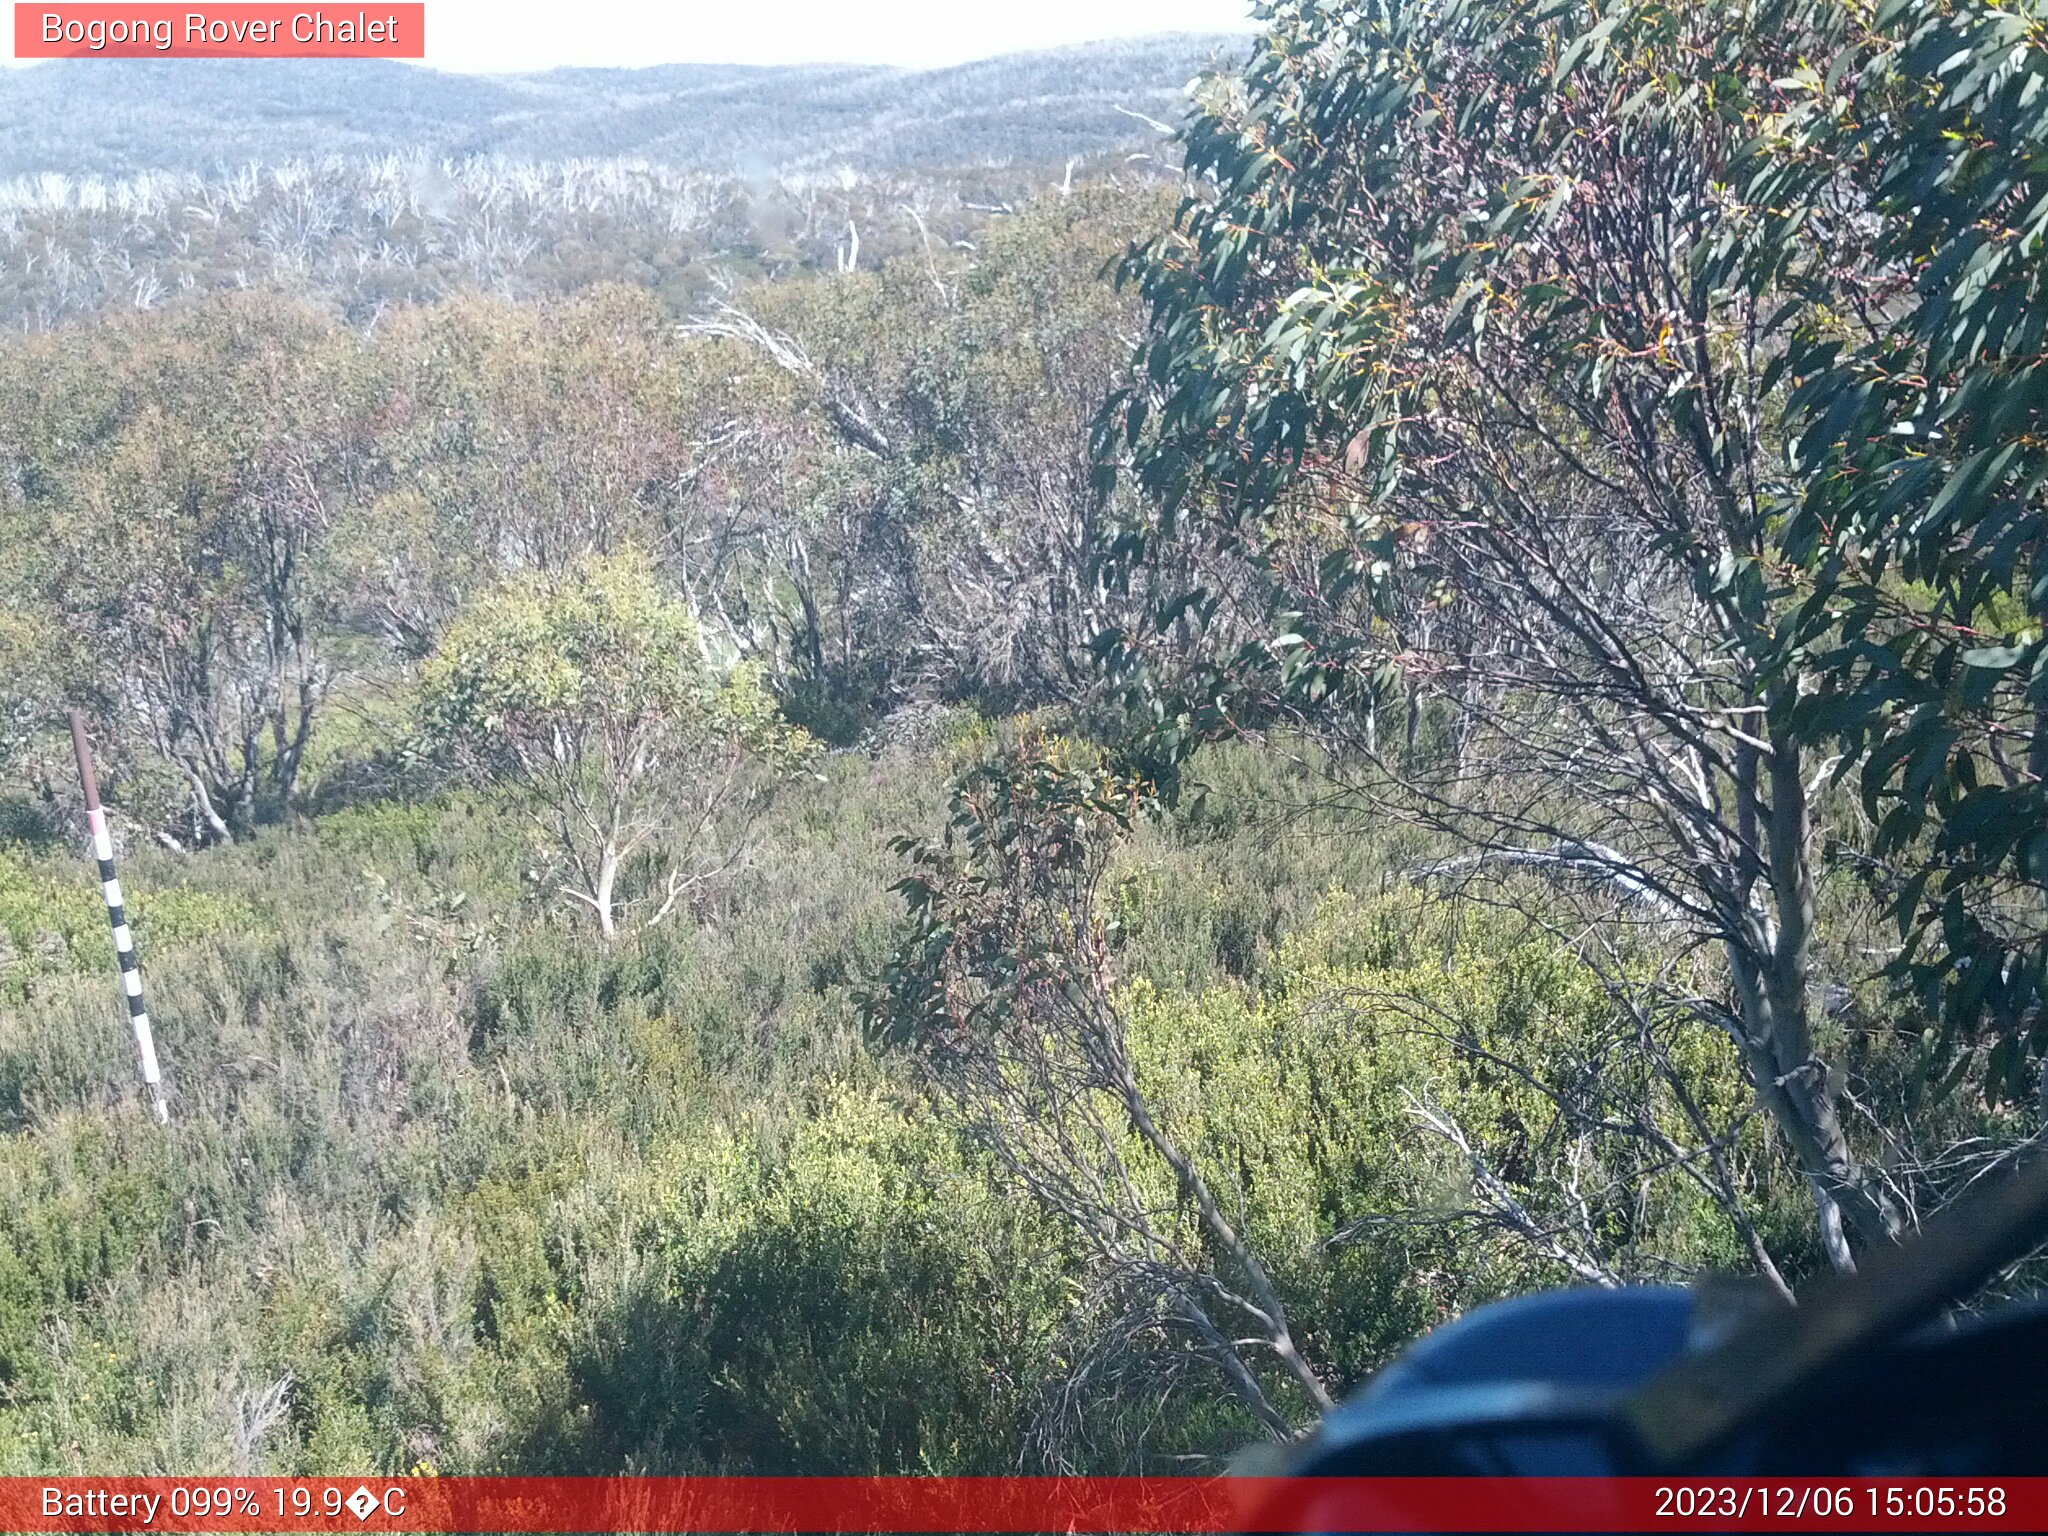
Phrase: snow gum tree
[599,701]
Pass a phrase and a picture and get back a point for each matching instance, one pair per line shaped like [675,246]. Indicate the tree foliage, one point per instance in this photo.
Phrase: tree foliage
[600,698]
[928,425]
[1465,389]
[1918,411]
[173,493]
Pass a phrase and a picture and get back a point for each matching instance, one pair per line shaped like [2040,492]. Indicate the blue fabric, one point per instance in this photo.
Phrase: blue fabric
[1580,1338]
[1519,1387]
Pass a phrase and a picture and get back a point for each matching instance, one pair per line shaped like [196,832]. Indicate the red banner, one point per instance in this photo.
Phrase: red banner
[1019,1504]
[231,31]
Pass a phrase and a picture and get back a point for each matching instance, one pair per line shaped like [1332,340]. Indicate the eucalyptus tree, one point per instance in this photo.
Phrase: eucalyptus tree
[520,437]
[1920,413]
[929,423]
[172,488]
[598,702]
[1465,381]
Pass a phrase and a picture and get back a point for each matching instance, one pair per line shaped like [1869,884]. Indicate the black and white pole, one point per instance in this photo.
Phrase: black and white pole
[124,938]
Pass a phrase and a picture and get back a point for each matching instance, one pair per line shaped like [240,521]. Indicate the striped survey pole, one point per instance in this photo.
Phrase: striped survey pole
[124,938]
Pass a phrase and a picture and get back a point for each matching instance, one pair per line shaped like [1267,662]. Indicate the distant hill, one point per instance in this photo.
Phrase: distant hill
[111,117]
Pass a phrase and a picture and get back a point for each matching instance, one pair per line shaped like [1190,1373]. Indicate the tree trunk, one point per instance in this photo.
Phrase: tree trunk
[1772,971]
[601,897]
[210,819]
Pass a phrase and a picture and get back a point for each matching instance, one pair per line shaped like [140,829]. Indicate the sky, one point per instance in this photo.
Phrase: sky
[540,34]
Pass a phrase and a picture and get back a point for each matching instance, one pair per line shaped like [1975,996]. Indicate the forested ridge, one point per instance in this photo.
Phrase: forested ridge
[1020,819]
[133,184]
[117,118]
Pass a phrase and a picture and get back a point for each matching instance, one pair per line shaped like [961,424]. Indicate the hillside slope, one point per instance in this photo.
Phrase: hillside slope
[117,117]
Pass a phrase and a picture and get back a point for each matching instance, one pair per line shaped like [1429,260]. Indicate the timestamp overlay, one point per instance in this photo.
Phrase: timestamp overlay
[1018,1504]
